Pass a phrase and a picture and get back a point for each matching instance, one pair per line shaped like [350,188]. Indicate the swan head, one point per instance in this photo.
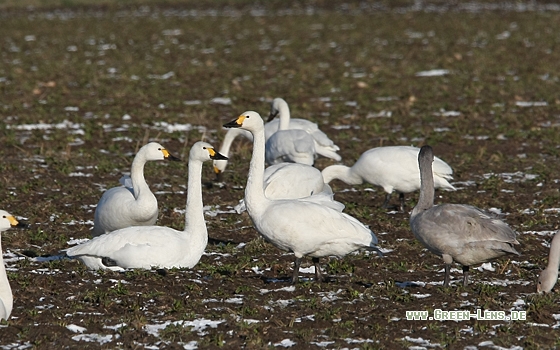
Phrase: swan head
[278,104]
[204,151]
[249,120]
[155,151]
[547,280]
[7,221]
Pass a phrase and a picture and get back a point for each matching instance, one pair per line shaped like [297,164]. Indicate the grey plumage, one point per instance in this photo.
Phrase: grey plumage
[457,232]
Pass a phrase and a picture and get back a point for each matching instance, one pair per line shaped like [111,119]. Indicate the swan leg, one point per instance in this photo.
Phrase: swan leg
[385,204]
[318,273]
[447,273]
[401,199]
[297,263]
[465,275]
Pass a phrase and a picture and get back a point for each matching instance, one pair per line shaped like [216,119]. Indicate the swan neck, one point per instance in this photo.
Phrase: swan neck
[254,192]
[341,172]
[228,140]
[137,176]
[554,254]
[194,215]
[5,290]
[284,123]
[426,198]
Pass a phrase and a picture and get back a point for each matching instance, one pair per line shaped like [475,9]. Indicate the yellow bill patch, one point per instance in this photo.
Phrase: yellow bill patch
[12,220]
[240,119]
[211,151]
[216,170]
[165,153]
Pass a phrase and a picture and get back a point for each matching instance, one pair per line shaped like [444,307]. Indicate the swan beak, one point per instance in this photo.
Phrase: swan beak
[216,156]
[219,174]
[169,156]
[15,223]
[236,123]
[272,115]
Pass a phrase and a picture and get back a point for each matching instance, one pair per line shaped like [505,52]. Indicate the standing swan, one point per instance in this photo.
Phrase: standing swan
[156,246]
[303,227]
[323,145]
[457,232]
[6,298]
[549,276]
[121,207]
[395,168]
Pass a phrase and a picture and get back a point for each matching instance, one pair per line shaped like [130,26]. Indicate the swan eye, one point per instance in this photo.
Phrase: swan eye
[4,216]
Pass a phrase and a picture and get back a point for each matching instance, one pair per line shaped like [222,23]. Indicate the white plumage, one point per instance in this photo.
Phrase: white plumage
[549,276]
[457,232]
[303,227]
[156,246]
[134,204]
[6,298]
[395,168]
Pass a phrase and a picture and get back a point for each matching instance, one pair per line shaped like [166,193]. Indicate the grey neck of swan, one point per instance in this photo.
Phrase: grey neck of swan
[137,176]
[5,290]
[341,172]
[194,215]
[426,198]
[254,192]
[554,255]
[284,111]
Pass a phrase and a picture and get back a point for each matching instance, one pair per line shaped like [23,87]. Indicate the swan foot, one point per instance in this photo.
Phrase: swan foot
[318,274]
[465,275]
[108,262]
[295,277]
[447,272]
[401,200]
[385,204]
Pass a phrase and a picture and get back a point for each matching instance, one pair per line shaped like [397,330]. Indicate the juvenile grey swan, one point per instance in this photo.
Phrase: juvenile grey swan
[456,232]
[549,276]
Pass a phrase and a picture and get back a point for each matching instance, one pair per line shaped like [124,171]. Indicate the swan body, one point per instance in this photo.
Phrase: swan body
[293,180]
[395,168]
[303,227]
[132,204]
[156,246]
[290,145]
[6,298]
[324,146]
[549,276]
[457,232]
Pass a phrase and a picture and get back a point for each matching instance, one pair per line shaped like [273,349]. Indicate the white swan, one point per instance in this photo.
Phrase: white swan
[302,227]
[395,168]
[549,276]
[290,145]
[293,180]
[156,246]
[134,204]
[323,145]
[6,298]
[457,232]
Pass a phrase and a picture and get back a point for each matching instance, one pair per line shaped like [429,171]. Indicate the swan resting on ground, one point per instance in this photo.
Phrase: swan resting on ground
[134,204]
[395,168]
[303,227]
[156,246]
[324,146]
[549,276]
[457,232]
[294,180]
[7,221]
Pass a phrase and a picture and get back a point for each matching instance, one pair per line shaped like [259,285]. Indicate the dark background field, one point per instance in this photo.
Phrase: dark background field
[84,84]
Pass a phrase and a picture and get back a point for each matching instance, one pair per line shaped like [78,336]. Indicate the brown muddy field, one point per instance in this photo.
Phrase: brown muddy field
[84,87]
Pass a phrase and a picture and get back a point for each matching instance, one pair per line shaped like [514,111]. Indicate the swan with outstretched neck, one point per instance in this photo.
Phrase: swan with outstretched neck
[7,221]
[395,168]
[457,232]
[156,246]
[549,276]
[133,205]
[295,225]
